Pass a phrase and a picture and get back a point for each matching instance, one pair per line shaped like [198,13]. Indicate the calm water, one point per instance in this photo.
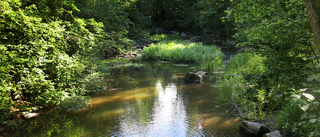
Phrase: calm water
[143,101]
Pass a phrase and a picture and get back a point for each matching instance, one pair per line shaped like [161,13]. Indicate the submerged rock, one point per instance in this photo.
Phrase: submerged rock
[275,133]
[195,77]
[181,65]
[253,129]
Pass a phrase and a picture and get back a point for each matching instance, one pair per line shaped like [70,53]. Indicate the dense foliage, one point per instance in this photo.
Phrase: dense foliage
[234,86]
[49,56]
[200,17]
[279,31]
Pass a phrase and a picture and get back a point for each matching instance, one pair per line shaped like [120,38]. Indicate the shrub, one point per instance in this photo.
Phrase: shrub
[300,117]
[236,86]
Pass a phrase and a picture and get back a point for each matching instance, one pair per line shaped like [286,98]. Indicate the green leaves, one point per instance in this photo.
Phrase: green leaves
[41,56]
[279,31]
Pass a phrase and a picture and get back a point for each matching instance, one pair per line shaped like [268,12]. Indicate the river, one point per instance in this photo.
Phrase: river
[146,99]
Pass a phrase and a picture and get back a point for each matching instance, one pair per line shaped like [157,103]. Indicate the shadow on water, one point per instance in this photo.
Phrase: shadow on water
[148,100]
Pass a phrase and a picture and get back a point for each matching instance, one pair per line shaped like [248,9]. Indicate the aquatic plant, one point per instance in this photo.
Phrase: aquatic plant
[171,48]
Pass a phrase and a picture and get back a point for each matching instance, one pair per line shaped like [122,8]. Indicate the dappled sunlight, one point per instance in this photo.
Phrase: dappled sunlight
[203,116]
[108,114]
[209,122]
[104,99]
[228,123]
[178,76]
[204,98]
[190,87]
[128,81]
[134,94]
[135,97]
[200,102]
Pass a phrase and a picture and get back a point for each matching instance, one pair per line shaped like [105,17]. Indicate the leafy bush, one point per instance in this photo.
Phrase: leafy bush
[235,86]
[245,63]
[300,117]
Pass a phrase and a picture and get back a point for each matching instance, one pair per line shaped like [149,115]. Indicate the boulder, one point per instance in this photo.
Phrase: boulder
[183,34]
[262,131]
[195,77]
[275,133]
[28,115]
[253,129]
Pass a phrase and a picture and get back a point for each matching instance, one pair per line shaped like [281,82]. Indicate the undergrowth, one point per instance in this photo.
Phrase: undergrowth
[296,110]
[234,85]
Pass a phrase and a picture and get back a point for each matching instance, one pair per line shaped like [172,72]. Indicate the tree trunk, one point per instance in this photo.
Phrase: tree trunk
[313,8]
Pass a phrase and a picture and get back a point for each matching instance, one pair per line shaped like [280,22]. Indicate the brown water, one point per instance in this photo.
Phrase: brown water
[143,101]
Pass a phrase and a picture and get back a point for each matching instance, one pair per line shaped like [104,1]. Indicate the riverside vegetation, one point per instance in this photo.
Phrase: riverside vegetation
[172,48]
[243,83]
[52,52]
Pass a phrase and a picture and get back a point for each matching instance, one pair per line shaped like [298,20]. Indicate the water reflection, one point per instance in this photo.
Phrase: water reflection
[168,118]
[149,103]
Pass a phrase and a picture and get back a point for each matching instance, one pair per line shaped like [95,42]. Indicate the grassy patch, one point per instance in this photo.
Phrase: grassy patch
[172,48]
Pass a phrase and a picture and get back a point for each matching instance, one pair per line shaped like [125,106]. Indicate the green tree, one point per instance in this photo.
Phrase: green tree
[268,27]
[200,16]
[48,55]
[313,7]
[280,32]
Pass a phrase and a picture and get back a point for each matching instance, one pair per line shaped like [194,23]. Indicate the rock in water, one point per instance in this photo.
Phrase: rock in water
[195,77]
[253,129]
[27,115]
[275,133]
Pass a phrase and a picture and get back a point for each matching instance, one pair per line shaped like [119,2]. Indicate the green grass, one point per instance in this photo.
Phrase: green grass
[173,48]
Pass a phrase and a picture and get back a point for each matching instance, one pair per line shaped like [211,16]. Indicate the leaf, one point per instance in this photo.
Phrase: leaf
[304,107]
[296,96]
[310,78]
[312,120]
[303,90]
[308,96]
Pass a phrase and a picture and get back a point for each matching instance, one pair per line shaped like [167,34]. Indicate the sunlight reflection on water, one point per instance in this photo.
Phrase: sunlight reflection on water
[149,103]
[169,117]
